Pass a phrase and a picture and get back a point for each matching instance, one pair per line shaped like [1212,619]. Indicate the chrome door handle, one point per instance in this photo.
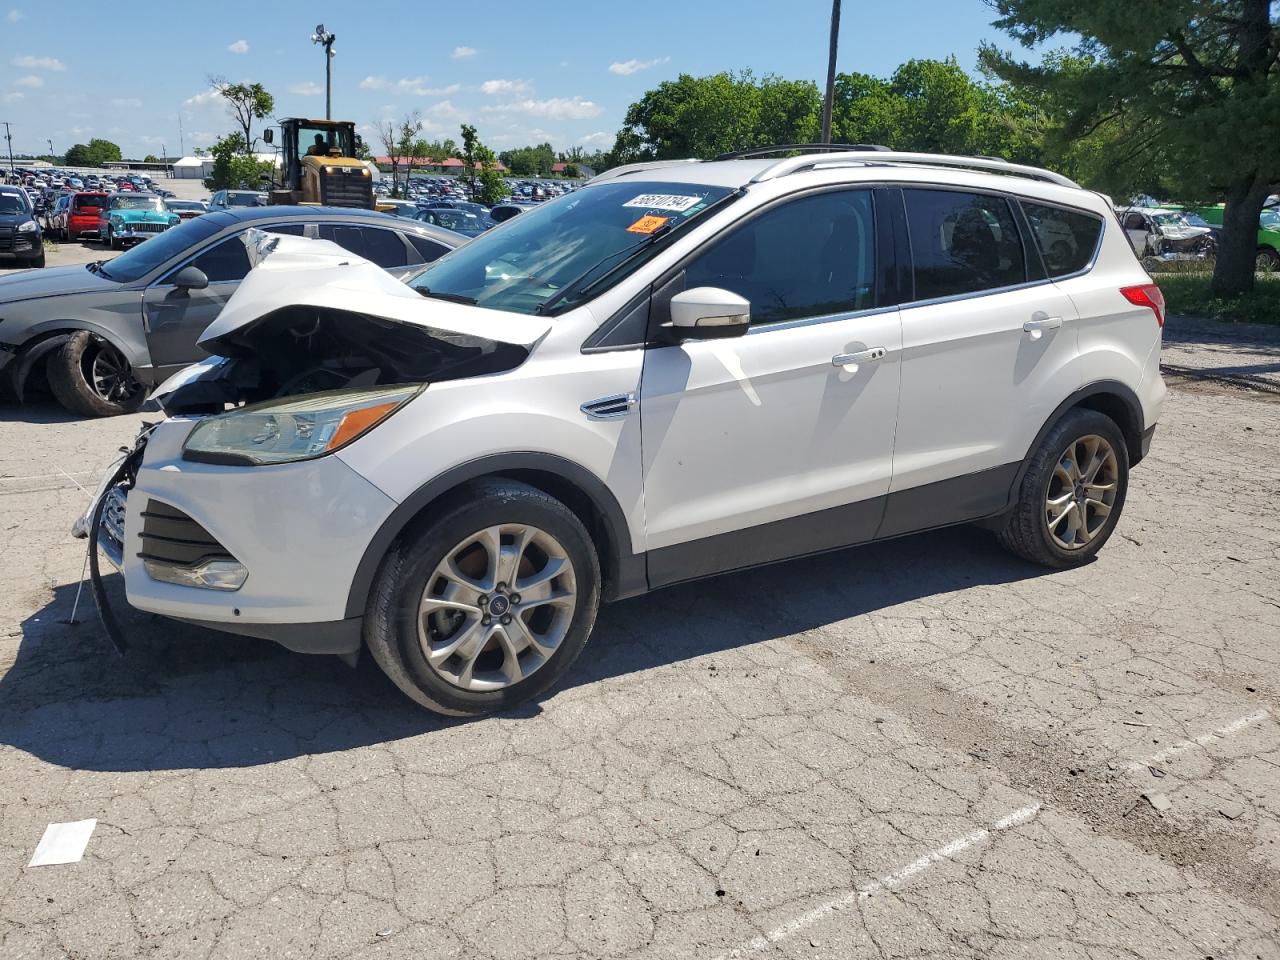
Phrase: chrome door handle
[1037,326]
[862,356]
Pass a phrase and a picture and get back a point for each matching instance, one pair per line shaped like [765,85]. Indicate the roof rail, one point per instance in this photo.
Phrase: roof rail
[810,147]
[791,165]
[630,168]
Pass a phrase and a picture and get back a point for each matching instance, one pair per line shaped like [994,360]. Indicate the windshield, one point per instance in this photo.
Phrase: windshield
[580,237]
[138,261]
[455,219]
[137,203]
[12,203]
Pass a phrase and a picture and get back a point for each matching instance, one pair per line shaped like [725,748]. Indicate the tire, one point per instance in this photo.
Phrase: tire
[70,370]
[36,262]
[1268,260]
[113,241]
[396,632]
[1030,530]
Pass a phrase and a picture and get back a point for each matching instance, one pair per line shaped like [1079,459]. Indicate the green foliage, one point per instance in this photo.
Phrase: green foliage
[1179,97]
[529,161]
[233,169]
[571,170]
[402,144]
[247,102]
[1192,294]
[704,116]
[487,185]
[95,153]
[151,158]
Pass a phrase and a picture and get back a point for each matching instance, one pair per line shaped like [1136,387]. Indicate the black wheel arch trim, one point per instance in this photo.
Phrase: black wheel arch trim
[618,562]
[1132,431]
[54,334]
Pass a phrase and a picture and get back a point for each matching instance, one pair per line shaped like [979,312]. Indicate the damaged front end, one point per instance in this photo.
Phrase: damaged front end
[311,317]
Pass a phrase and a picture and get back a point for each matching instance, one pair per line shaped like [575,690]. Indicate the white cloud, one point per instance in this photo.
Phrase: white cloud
[461,53]
[418,87]
[556,108]
[14,15]
[492,87]
[374,83]
[126,102]
[307,89]
[39,63]
[204,98]
[444,109]
[625,68]
[599,137]
[29,81]
[240,46]
[12,97]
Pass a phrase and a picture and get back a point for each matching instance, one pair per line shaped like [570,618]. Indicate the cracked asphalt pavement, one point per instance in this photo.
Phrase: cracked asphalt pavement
[922,748]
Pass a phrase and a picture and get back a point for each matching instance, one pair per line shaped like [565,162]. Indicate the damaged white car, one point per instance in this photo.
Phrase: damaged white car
[678,370]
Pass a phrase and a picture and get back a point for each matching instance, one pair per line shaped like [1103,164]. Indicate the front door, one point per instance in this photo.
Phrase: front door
[779,442]
[987,353]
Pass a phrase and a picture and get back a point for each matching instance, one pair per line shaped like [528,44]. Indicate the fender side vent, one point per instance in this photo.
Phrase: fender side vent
[609,408]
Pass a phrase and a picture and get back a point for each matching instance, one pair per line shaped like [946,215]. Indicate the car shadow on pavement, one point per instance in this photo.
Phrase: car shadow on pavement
[40,409]
[185,697]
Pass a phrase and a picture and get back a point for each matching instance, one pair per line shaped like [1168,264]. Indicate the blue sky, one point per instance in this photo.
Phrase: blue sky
[520,74]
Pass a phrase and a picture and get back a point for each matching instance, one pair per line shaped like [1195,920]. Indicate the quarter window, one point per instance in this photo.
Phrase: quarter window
[380,246]
[1066,238]
[962,243]
[429,250]
[808,258]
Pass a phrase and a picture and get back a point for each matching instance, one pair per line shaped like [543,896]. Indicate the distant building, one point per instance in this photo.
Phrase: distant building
[584,171]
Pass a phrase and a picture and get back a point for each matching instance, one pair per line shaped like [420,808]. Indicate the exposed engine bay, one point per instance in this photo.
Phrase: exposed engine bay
[304,349]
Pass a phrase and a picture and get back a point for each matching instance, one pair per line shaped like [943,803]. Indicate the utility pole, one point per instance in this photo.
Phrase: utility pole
[182,148]
[831,72]
[9,136]
[326,40]
[51,154]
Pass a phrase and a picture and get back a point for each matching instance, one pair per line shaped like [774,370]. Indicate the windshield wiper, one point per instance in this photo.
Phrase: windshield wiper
[572,285]
[451,297]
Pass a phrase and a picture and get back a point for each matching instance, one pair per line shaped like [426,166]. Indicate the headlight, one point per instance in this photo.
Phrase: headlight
[280,431]
[29,227]
[175,219]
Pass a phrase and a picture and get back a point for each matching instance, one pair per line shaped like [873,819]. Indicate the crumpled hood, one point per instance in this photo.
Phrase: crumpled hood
[51,282]
[1182,232]
[293,271]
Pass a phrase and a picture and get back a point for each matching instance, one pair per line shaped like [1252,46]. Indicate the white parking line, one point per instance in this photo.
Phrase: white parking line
[1235,726]
[895,879]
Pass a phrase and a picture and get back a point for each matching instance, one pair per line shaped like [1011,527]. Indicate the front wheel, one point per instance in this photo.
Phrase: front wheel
[37,261]
[1071,494]
[1268,260]
[90,377]
[486,602]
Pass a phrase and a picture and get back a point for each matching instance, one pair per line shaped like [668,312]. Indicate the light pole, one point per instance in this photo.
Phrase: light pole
[9,136]
[831,72]
[50,143]
[326,40]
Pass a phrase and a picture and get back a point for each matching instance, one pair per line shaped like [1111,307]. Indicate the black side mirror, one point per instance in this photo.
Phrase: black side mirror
[190,278]
[269,135]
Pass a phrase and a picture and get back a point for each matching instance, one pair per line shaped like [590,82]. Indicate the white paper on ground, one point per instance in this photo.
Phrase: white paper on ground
[63,843]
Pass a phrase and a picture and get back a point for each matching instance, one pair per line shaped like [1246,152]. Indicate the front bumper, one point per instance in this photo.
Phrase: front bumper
[138,231]
[300,530]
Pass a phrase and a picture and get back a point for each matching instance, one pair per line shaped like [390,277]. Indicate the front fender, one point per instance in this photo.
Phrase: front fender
[120,325]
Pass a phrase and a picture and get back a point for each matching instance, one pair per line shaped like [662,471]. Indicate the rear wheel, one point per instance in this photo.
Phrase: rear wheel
[487,602]
[91,377]
[1071,494]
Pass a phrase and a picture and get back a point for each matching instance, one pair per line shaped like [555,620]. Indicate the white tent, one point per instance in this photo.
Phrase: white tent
[192,168]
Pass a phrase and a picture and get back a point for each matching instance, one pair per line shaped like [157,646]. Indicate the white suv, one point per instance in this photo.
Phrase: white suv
[681,369]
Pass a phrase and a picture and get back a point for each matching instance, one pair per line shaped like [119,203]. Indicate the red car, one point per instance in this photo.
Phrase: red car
[83,214]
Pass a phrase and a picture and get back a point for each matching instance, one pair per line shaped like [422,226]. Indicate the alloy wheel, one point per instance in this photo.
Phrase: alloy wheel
[1082,491]
[497,607]
[107,373]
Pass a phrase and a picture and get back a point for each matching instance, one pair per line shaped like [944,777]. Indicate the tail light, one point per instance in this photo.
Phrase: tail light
[1146,295]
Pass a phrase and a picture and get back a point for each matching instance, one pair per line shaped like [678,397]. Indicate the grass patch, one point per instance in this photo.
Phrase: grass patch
[1188,293]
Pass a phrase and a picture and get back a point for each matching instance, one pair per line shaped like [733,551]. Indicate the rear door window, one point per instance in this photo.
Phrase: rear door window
[962,243]
[384,247]
[1067,238]
[344,235]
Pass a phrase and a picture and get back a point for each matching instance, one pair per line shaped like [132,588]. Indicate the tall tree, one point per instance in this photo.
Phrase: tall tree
[95,153]
[398,140]
[247,102]
[486,184]
[1192,86]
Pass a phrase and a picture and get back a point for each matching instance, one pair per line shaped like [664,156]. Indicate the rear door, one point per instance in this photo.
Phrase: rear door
[988,345]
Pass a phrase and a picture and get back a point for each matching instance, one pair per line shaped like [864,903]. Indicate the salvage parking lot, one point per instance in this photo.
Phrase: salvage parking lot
[918,748]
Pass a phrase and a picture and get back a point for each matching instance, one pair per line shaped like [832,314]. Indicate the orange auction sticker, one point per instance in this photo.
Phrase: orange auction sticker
[647,224]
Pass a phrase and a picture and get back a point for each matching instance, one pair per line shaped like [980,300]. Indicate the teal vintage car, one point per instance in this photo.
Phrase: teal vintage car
[130,217]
